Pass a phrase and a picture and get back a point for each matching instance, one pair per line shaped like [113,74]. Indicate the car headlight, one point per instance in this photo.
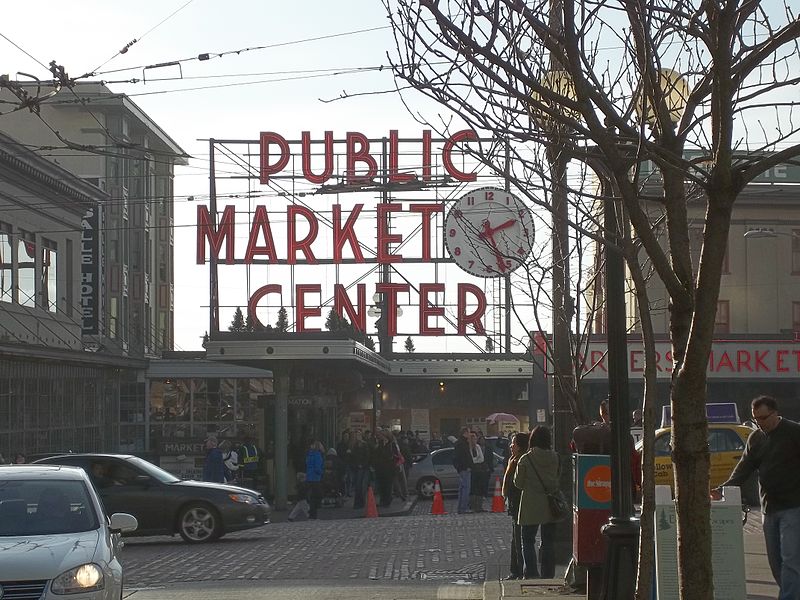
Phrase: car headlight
[86,578]
[243,498]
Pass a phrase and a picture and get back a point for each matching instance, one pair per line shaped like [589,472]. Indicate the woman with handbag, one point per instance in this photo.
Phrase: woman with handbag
[519,446]
[537,475]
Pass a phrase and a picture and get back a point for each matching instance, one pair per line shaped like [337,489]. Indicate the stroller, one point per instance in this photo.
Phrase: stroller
[332,480]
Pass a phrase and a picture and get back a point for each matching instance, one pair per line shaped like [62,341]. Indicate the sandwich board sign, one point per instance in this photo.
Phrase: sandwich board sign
[727,546]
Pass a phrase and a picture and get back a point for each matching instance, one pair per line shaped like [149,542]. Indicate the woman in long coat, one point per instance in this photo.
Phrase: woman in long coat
[537,472]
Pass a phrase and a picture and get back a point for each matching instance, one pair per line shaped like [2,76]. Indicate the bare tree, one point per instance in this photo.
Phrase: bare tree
[625,82]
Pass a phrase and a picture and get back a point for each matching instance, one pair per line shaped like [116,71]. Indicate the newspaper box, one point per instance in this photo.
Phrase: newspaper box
[727,545]
[592,507]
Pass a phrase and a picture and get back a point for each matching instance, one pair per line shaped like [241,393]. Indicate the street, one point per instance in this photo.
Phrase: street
[418,556]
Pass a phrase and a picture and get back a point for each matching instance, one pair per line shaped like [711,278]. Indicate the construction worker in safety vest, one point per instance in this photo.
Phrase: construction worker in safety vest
[249,457]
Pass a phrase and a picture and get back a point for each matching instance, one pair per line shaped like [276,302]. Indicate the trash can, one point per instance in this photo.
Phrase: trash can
[591,511]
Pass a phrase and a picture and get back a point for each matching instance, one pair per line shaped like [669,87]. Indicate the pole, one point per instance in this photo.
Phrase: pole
[213,292]
[281,375]
[619,574]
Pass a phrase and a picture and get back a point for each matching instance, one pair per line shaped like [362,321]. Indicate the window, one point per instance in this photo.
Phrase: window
[49,276]
[662,445]
[795,316]
[795,251]
[26,271]
[443,458]
[722,322]
[113,317]
[724,440]
[6,265]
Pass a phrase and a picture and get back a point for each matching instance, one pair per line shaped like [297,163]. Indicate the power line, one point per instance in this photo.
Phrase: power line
[26,53]
[127,46]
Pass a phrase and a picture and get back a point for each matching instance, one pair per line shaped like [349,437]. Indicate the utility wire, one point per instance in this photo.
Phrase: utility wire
[127,46]
[25,52]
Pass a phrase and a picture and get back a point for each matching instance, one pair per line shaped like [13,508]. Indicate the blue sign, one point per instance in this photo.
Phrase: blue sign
[716,412]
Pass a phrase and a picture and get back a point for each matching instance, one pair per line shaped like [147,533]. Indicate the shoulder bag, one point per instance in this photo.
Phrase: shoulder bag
[559,505]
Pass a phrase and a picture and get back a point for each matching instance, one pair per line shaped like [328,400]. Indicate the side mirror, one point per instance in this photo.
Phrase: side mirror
[123,523]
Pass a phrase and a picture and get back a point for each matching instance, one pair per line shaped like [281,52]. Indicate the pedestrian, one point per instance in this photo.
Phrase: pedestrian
[399,482]
[345,451]
[436,442]
[385,468]
[19,458]
[249,457]
[301,506]
[518,447]
[359,452]
[462,461]
[774,451]
[477,484]
[537,474]
[230,461]
[315,468]
[488,461]
[213,467]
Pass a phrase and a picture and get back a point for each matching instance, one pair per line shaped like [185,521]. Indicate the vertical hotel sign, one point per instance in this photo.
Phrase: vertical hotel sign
[90,271]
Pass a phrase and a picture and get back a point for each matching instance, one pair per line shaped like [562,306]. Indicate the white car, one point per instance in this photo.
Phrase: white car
[55,538]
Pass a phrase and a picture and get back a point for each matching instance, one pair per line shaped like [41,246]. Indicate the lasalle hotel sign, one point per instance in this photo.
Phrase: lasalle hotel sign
[487,232]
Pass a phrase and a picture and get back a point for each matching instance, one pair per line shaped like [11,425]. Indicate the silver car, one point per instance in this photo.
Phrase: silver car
[55,538]
[439,465]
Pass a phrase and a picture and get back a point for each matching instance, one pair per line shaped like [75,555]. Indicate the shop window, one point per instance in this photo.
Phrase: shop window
[796,317]
[113,318]
[26,271]
[49,276]
[6,265]
[795,251]
[722,322]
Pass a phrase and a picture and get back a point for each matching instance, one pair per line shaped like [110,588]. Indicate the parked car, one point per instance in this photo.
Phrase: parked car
[55,537]
[726,442]
[165,505]
[439,465]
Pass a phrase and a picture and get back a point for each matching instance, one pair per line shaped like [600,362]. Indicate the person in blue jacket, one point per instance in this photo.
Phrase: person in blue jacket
[214,467]
[315,467]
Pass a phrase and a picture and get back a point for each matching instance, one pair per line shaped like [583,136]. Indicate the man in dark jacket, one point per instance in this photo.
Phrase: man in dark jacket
[462,461]
[774,451]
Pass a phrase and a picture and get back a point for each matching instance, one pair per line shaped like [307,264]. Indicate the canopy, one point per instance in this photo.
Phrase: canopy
[502,418]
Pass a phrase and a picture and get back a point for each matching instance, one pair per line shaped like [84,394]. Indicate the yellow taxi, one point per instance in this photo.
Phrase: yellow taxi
[726,441]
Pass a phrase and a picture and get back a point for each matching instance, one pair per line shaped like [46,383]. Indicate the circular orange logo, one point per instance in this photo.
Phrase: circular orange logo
[597,483]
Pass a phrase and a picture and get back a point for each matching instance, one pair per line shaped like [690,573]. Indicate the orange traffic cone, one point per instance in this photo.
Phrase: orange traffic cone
[371,509]
[437,507]
[498,503]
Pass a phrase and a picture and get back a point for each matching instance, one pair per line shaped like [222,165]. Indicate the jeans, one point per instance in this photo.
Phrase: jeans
[517,563]
[529,550]
[314,498]
[782,535]
[464,482]
[360,483]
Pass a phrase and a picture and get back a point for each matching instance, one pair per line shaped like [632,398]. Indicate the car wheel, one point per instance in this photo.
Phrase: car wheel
[426,487]
[199,523]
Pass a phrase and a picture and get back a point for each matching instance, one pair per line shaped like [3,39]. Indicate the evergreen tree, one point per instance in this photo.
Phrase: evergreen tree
[238,321]
[334,322]
[369,342]
[282,325]
[205,340]
[489,344]
[409,345]
[248,323]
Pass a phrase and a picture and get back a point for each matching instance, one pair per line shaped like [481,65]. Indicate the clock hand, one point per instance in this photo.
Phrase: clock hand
[489,231]
[488,235]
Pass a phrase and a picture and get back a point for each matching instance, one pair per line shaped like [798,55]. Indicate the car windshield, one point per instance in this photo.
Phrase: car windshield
[153,471]
[45,507]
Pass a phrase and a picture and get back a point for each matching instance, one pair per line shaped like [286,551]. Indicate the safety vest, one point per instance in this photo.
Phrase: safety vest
[250,458]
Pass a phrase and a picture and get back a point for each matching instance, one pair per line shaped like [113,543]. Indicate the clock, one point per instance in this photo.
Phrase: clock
[489,232]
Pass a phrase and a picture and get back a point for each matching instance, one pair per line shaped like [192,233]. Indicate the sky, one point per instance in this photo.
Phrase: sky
[294,84]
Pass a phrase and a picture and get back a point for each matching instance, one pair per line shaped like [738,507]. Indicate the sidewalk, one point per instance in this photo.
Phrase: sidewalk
[760,585]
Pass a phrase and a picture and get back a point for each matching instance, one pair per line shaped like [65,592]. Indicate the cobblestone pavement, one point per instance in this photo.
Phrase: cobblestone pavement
[419,546]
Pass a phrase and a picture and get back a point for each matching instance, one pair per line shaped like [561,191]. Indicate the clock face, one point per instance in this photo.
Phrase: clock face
[489,232]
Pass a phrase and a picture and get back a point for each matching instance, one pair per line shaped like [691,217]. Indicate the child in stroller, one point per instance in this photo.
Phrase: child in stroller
[332,480]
